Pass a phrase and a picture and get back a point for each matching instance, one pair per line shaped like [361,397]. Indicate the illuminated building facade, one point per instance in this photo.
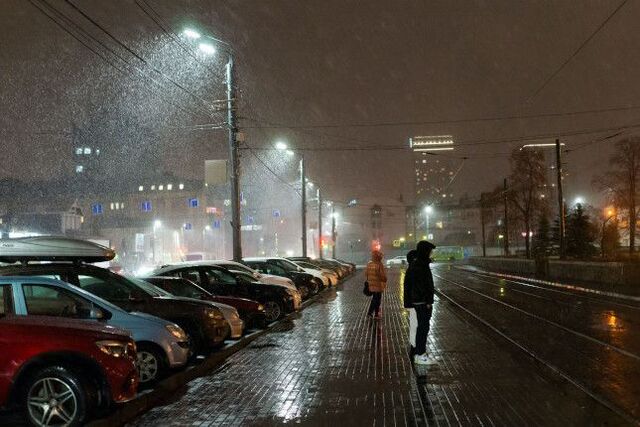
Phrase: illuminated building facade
[434,169]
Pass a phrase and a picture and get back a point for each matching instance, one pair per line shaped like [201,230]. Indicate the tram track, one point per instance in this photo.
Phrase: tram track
[590,347]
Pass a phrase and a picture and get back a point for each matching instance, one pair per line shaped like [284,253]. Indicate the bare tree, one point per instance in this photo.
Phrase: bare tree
[622,183]
[527,181]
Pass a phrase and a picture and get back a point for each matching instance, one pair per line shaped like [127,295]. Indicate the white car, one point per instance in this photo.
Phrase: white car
[329,274]
[398,260]
[295,265]
[267,279]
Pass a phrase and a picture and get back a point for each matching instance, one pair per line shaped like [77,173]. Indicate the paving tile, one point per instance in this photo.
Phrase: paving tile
[333,366]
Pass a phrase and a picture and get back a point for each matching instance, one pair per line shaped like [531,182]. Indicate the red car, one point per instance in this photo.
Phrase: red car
[251,312]
[62,371]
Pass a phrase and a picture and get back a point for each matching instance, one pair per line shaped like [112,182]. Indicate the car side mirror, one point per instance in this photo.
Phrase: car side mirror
[94,313]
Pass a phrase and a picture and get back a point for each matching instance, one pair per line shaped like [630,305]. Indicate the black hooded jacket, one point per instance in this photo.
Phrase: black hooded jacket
[418,283]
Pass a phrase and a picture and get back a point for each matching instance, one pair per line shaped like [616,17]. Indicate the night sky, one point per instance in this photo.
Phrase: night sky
[310,70]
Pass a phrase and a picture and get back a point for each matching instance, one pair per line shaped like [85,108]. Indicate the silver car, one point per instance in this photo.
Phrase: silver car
[162,345]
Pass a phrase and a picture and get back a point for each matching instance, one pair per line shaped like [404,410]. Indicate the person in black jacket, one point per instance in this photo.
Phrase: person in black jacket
[419,282]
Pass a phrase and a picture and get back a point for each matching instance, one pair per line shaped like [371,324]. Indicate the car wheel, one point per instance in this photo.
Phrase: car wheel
[55,396]
[150,364]
[272,311]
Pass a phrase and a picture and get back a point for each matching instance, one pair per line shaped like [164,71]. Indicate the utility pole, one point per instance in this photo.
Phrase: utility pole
[561,208]
[319,224]
[234,164]
[333,230]
[303,182]
[506,219]
[483,220]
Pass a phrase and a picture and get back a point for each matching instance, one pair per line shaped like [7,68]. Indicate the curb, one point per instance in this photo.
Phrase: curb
[147,400]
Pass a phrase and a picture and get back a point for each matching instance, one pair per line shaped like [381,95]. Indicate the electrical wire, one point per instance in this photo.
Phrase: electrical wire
[448,121]
[575,53]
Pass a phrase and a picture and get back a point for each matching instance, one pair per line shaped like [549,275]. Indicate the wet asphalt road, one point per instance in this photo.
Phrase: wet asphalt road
[593,341]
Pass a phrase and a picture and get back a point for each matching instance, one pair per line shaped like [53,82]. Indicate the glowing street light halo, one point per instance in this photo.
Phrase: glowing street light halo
[192,34]
[207,48]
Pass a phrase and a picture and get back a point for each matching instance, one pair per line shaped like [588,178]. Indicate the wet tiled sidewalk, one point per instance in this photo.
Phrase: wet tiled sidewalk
[334,366]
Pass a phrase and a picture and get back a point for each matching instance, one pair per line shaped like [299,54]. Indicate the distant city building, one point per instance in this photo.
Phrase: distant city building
[86,155]
[434,170]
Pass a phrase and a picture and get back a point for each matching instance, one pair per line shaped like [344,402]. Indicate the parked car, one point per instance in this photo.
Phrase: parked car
[161,345]
[331,275]
[204,324]
[251,312]
[307,284]
[60,371]
[277,300]
[399,260]
[351,266]
[312,271]
[269,279]
[339,269]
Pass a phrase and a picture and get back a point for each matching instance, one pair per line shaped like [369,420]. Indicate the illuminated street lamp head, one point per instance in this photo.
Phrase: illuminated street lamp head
[611,211]
[428,209]
[192,34]
[281,145]
[579,201]
[207,48]
[157,223]
[310,184]
[290,153]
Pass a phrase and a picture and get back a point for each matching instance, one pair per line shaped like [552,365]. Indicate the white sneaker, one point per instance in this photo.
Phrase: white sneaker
[423,359]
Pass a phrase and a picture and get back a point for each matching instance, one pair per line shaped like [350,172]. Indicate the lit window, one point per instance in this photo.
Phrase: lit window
[181,186]
[424,161]
[146,206]
[79,169]
[169,187]
[97,152]
[153,187]
[87,151]
[117,206]
[141,188]
[79,151]
[160,187]
[122,205]
[111,206]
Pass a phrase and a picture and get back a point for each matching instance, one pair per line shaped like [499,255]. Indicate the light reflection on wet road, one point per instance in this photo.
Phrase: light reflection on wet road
[594,340]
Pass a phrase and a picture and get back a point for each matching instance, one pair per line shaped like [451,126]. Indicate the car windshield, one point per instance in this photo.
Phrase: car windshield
[287,265]
[152,290]
[238,267]
[246,276]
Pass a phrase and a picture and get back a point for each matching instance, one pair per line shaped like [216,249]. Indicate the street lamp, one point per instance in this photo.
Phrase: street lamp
[282,146]
[234,169]
[428,210]
[609,214]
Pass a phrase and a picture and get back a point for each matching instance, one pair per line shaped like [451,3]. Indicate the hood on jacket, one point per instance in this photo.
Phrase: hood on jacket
[424,249]
[412,255]
[376,256]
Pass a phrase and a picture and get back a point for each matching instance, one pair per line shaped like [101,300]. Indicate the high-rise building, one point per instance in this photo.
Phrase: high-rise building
[434,169]
[86,155]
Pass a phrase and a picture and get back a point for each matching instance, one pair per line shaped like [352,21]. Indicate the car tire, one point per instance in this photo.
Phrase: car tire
[273,311]
[55,395]
[196,340]
[150,364]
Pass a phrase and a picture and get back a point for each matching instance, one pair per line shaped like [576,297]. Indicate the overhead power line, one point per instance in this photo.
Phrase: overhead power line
[447,121]
[575,53]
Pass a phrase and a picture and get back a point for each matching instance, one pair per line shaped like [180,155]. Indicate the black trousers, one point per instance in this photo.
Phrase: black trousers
[376,299]
[423,312]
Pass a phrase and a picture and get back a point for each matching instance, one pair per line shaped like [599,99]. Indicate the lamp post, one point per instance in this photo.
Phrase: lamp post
[610,213]
[234,163]
[428,210]
[282,146]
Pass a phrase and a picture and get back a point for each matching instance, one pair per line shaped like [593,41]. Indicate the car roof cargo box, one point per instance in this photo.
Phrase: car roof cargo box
[52,248]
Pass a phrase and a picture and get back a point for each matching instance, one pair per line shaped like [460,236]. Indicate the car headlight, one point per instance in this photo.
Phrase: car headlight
[116,348]
[214,314]
[177,332]
[260,307]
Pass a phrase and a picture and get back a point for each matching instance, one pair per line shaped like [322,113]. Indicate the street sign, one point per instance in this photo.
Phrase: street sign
[188,226]
[397,243]
[216,223]
[276,213]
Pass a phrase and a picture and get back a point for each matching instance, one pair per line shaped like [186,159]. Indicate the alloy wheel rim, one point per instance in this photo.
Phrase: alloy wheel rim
[51,401]
[272,311]
[147,364]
